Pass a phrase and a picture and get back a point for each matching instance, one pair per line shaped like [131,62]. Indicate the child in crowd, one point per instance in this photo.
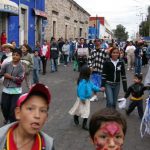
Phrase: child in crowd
[107,129]
[31,113]
[13,73]
[36,66]
[28,64]
[136,90]
[85,89]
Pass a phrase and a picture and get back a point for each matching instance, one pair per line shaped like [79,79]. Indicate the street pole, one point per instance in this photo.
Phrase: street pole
[96,26]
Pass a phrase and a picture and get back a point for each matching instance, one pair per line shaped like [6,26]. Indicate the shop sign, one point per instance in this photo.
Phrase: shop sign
[8,8]
[40,13]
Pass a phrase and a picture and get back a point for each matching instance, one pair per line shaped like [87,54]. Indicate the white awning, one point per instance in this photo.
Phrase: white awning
[9,7]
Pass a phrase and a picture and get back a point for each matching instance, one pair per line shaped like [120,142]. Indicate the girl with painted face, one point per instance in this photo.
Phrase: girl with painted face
[107,129]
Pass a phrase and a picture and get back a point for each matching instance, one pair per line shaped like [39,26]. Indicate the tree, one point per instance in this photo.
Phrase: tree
[144,27]
[120,33]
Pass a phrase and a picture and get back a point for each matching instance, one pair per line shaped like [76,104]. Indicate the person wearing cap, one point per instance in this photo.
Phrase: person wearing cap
[13,73]
[7,57]
[31,112]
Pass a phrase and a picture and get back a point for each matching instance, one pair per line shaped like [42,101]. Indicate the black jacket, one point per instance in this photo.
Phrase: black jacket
[110,74]
[54,51]
[136,90]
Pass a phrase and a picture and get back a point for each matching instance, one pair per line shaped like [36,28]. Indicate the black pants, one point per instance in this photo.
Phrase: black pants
[44,62]
[8,106]
[138,104]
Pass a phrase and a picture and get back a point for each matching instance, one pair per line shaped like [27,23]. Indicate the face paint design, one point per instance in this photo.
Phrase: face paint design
[109,137]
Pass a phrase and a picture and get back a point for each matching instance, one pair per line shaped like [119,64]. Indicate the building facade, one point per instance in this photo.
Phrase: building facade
[66,19]
[26,20]
[103,30]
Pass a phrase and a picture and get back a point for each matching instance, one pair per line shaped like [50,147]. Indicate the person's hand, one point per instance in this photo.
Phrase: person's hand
[7,76]
[102,89]
[91,70]
[83,102]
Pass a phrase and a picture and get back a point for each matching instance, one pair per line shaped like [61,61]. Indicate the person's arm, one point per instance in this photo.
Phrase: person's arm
[20,76]
[104,74]
[95,88]
[127,94]
[123,76]
[90,60]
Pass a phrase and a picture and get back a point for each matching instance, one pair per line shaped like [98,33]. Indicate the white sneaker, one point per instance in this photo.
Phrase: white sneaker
[94,98]
[104,95]
[128,69]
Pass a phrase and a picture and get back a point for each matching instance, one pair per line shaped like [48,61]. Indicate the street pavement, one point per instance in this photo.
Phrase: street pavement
[60,124]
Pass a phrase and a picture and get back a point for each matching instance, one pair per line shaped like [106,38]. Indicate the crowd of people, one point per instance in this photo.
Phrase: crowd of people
[101,67]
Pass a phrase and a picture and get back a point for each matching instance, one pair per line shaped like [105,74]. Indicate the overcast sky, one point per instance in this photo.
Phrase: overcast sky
[129,13]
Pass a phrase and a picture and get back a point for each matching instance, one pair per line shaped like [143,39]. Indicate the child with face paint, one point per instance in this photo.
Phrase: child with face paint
[107,129]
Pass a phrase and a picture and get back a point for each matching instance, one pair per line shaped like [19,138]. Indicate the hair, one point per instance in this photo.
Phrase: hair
[35,93]
[105,115]
[18,51]
[84,73]
[35,51]
[13,41]
[139,76]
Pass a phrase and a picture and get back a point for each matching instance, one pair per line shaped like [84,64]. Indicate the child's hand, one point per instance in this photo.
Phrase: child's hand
[102,89]
[83,102]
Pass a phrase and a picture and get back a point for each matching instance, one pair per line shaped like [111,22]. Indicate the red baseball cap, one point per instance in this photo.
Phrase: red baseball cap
[35,88]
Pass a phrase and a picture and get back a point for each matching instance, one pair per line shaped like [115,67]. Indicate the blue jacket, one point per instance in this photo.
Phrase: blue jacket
[85,89]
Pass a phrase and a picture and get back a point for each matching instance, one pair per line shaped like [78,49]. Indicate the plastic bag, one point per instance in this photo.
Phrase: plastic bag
[145,124]
[122,103]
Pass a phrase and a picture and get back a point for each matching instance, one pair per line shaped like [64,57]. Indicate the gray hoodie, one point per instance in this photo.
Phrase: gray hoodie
[3,132]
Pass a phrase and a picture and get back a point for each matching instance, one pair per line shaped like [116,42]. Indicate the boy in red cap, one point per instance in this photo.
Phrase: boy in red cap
[31,113]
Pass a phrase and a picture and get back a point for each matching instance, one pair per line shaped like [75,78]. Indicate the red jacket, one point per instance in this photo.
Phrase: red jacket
[3,40]
[47,55]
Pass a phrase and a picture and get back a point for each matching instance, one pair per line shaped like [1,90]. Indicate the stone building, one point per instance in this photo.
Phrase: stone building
[66,19]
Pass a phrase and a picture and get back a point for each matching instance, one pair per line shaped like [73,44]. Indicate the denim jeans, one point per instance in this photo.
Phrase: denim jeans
[112,91]
[138,65]
[65,59]
[53,64]
[35,76]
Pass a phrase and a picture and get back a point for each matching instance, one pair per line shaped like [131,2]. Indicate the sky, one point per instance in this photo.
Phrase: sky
[129,13]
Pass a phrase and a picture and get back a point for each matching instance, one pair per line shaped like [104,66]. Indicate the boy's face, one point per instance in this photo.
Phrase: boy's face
[36,53]
[136,80]
[32,115]
[16,57]
[110,136]
[24,49]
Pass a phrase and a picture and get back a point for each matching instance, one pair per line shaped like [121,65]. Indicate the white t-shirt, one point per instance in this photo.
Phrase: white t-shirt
[44,50]
[130,49]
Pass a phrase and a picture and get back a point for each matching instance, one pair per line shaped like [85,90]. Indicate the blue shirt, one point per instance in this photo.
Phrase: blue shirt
[85,89]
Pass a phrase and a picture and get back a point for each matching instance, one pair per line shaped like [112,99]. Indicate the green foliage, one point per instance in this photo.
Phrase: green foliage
[144,28]
[120,33]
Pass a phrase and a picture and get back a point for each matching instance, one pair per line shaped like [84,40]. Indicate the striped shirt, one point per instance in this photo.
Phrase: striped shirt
[96,59]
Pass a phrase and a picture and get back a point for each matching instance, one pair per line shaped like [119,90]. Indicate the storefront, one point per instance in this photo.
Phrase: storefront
[40,20]
[7,8]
